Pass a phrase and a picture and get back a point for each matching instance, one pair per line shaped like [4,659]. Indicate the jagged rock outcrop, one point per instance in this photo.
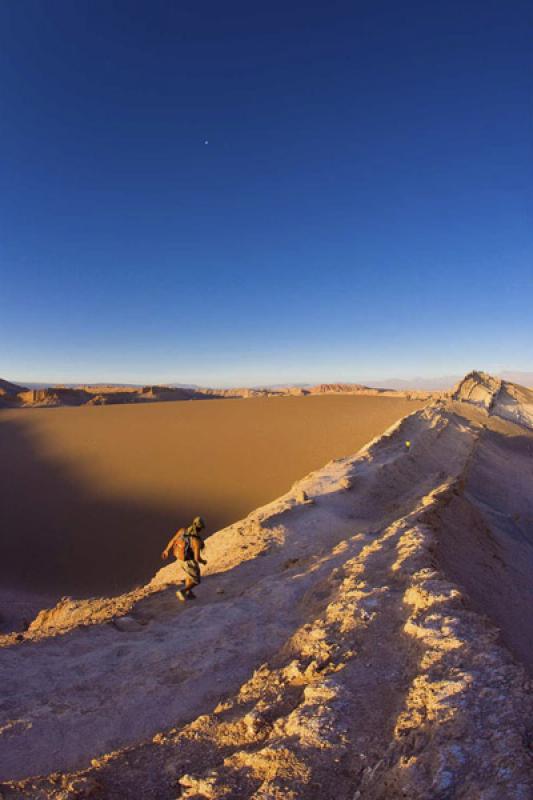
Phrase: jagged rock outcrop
[239,392]
[6,387]
[9,393]
[501,398]
[478,388]
[366,391]
[55,396]
[326,388]
[168,393]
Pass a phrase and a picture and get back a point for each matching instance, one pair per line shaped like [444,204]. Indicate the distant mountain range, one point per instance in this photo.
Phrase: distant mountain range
[522,378]
[438,384]
[444,382]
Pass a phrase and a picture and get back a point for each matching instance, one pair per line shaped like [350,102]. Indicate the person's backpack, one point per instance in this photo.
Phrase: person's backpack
[182,547]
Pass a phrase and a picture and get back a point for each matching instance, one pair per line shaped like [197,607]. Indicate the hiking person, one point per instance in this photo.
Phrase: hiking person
[186,546]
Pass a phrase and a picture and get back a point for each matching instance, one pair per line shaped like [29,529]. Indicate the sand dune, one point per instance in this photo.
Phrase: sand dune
[89,496]
[335,649]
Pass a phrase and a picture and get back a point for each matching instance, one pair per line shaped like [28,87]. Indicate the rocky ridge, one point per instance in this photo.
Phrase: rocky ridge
[353,639]
[500,398]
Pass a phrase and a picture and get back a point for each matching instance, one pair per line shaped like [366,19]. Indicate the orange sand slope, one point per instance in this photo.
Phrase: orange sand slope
[335,649]
[89,496]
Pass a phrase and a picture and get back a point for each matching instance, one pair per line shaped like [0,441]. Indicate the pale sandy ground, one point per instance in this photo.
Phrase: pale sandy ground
[335,649]
[89,496]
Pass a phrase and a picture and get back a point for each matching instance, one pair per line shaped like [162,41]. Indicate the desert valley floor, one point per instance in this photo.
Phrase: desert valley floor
[93,493]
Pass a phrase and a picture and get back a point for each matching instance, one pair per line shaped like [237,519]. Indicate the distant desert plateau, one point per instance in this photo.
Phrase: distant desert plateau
[89,495]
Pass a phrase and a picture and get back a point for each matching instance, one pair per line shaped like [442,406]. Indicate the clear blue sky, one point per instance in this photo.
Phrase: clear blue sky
[363,206]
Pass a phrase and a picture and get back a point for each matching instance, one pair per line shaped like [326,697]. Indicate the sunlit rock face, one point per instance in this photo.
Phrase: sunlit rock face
[515,403]
[501,398]
[478,388]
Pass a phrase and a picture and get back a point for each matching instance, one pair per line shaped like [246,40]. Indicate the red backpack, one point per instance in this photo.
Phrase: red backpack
[182,546]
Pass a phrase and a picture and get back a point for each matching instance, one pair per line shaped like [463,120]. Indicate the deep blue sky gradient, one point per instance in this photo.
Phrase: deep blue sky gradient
[363,206]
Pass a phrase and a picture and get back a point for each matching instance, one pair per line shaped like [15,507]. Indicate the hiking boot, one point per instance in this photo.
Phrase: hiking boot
[191,594]
[181,596]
